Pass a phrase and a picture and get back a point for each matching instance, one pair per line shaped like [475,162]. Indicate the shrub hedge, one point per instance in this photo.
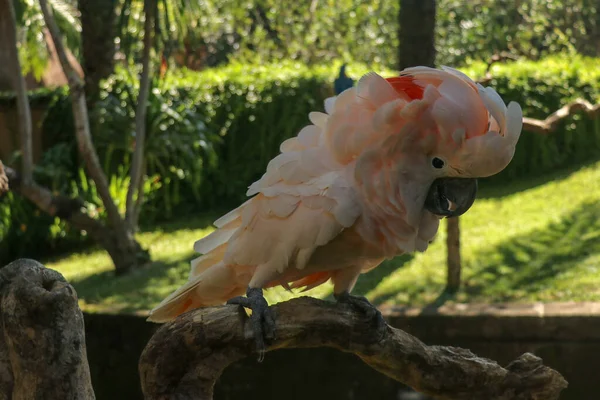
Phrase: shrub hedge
[211,134]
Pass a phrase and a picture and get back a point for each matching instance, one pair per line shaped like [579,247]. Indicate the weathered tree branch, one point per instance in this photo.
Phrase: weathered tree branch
[136,174]
[127,253]
[551,122]
[82,126]
[8,28]
[185,357]
[42,345]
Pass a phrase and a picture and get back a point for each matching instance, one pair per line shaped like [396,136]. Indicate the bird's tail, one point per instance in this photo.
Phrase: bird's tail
[214,286]
[211,282]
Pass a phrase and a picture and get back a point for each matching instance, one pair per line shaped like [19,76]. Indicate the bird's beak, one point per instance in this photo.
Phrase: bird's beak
[451,197]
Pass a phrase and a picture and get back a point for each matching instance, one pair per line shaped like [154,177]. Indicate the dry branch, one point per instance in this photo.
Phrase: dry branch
[42,343]
[185,357]
[82,125]
[136,185]
[125,251]
[551,122]
[8,29]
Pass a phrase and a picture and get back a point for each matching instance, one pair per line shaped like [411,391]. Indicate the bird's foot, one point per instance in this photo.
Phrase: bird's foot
[263,323]
[363,305]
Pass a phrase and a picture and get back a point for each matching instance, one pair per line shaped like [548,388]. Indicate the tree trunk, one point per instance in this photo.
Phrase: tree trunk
[123,235]
[137,170]
[453,256]
[417,47]
[416,33]
[8,30]
[42,339]
[97,43]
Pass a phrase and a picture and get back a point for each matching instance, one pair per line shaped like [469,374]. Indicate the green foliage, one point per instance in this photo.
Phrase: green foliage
[268,30]
[253,109]
[31,42]
[178,148]
[531,28]
[313,32]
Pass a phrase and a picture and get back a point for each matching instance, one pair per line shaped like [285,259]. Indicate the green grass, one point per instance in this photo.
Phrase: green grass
[536,240]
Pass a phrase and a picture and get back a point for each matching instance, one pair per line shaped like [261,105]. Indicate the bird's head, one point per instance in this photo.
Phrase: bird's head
[426,136]
[467,132]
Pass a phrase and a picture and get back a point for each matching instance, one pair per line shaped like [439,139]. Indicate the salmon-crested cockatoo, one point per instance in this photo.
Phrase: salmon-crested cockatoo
[366,181]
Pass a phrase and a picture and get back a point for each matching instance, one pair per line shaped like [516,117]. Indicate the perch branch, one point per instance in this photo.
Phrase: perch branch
[185,357]
[42,344]
[551,122]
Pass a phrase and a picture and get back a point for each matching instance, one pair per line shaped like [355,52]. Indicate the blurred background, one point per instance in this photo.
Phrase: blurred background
[227,82]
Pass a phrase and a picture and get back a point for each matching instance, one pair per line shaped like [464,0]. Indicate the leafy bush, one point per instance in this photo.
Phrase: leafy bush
[252,109]
[477,29]
[178,144]
[314,32]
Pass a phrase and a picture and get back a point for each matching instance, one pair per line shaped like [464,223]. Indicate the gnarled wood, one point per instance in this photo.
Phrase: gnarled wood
[551,122]
[185,357]
[42,346]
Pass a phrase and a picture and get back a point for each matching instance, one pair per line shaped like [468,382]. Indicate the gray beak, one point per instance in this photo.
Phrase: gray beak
[451,197]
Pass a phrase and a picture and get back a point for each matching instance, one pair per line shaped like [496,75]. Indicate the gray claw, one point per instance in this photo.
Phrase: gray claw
[263,323]
[361,303]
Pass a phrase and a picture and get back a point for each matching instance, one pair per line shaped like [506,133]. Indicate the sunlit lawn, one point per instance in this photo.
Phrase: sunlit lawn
[536,240]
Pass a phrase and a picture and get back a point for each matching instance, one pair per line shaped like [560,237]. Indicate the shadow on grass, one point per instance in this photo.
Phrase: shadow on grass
[370,280]
[524,266]
[141,289]
[521,266]
[490,189]
[197,221]
[530,263]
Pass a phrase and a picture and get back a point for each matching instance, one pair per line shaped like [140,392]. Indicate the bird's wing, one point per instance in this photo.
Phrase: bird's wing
[303,201]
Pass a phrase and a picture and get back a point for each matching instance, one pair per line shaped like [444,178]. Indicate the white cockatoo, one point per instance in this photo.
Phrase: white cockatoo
[366,181]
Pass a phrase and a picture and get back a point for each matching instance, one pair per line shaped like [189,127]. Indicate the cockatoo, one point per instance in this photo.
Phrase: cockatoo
[366,181]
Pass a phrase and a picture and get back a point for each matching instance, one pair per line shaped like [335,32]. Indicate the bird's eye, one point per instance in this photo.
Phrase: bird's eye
[437,163]
[445,203]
